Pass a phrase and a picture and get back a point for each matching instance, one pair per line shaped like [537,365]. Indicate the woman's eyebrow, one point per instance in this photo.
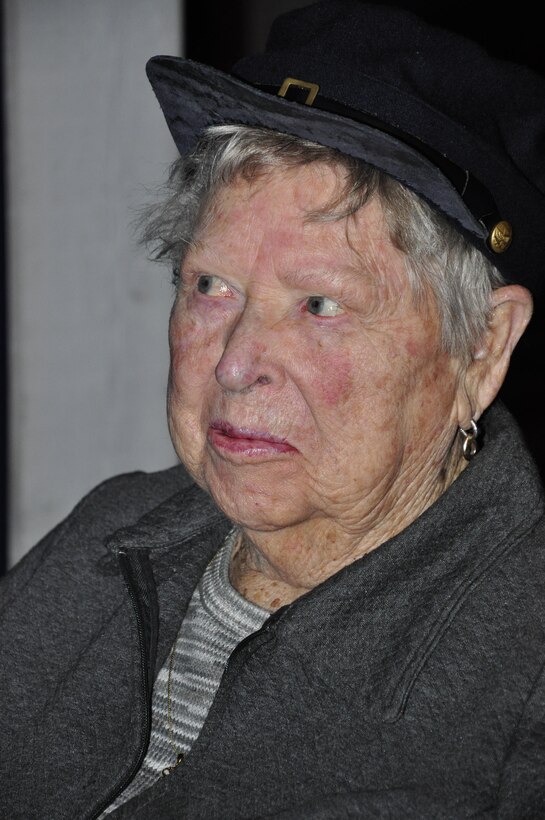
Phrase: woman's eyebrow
[346,278]
[201,258]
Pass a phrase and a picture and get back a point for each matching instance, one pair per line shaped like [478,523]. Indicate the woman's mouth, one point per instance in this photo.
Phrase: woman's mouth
[246,442]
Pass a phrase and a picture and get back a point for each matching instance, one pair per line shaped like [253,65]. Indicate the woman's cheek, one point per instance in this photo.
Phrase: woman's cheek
[183,336]
[194,329]
[331,374]
[336,379]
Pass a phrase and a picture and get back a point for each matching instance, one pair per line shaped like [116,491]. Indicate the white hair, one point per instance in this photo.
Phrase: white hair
[438,257]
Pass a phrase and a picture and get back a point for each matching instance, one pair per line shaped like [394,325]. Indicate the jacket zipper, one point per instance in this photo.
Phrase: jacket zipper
[232,665]
[234,662]
[132,588]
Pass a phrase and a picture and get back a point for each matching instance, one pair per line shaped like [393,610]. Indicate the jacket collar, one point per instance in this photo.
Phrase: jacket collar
[174,522]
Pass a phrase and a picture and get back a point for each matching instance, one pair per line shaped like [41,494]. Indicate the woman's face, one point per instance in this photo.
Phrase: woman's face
[305,383]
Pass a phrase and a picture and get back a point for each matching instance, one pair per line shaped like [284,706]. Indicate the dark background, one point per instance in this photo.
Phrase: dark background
[218,33]
[4,432]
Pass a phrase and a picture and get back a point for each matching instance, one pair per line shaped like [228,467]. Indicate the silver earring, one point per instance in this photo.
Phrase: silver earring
[469,440]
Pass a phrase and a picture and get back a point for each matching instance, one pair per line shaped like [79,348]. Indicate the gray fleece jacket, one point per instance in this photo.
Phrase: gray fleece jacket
[408,685]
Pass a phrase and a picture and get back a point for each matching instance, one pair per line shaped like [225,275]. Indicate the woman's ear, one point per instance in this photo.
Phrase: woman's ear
[511,311]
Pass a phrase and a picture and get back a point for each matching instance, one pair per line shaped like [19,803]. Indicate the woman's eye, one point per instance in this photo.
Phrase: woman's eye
[322,306]
[212,286]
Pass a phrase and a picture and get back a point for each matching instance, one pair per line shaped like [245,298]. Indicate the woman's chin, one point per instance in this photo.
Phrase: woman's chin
[263,507]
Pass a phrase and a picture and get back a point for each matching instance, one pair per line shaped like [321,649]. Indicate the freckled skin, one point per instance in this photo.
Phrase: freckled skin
[337,383]
[365,397]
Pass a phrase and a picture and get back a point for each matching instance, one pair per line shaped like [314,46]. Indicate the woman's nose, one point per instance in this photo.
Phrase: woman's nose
[248,359]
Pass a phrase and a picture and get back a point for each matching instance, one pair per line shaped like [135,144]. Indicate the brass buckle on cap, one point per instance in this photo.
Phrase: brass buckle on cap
[312,88]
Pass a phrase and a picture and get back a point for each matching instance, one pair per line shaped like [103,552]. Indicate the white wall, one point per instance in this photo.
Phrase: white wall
[88,312]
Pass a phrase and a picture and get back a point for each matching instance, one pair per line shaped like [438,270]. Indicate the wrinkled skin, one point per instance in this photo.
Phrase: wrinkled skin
[321,426]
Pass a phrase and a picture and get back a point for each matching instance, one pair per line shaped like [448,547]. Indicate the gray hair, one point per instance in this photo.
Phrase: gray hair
[438,258]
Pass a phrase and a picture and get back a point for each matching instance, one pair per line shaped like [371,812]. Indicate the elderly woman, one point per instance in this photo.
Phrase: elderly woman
[338,610]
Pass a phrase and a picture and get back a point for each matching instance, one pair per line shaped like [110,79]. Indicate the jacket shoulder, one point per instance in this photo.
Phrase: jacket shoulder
[122,500]
[115,503]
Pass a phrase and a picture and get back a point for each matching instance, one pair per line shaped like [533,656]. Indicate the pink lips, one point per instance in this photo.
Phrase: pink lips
[225,438]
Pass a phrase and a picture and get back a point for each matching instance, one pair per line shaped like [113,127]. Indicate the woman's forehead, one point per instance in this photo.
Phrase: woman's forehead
[288,211]
[311,186]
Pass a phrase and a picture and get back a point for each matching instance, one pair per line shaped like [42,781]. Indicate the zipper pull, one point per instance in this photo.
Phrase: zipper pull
[169,769]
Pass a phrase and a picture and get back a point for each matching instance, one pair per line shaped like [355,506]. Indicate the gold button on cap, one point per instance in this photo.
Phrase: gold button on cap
[501,236]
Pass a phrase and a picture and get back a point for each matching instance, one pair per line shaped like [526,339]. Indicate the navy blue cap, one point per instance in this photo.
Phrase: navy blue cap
[464,130]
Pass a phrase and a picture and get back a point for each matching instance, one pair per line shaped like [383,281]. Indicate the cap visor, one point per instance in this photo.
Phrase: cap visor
[194,96]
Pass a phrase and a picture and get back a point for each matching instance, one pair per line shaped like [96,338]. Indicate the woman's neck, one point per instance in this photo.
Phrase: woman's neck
[272,569]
